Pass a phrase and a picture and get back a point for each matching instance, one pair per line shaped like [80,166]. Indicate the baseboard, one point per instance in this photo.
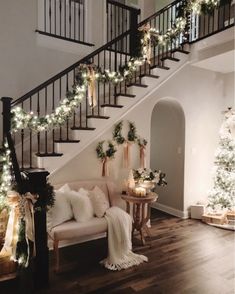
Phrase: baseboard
[170,210]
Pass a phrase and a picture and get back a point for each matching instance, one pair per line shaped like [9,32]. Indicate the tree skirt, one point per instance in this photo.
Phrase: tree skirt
[230,226]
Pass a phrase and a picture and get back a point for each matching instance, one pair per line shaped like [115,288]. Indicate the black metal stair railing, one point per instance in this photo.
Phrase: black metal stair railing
[44,99]
[120,18]
[64,19]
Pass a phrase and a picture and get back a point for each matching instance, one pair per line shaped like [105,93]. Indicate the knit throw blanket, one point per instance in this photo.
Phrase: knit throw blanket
[120,255]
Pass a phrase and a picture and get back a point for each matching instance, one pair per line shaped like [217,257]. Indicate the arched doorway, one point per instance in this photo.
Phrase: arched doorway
[167,153]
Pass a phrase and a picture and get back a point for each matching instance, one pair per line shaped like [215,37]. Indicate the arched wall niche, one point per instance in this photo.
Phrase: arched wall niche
[167,152]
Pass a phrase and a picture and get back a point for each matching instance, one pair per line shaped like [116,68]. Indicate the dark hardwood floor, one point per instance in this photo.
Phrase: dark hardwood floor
[186,257]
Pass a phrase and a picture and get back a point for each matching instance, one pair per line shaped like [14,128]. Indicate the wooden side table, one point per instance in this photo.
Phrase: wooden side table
[141,212]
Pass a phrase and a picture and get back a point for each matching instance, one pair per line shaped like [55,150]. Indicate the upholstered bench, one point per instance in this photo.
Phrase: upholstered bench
[73,232]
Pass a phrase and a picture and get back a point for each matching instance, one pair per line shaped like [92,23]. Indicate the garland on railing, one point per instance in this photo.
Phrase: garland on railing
[5,175]
[88,74]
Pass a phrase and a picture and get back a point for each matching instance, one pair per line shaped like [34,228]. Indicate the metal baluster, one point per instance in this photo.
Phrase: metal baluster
[67,120]
[60,8]
[22,142]
[84,20]
[110,68]
[107,14]
[122,40]
[60,96]
[55,16]
[115,68]
[79,20]
[70,19]
[104,83]
[46,150]
[45,15]
[53,108]
[65,13]
[74,112]
[30,136]
[50,15]
[111,20]
[74,20]
[98,88]
[38,114]
[86,105]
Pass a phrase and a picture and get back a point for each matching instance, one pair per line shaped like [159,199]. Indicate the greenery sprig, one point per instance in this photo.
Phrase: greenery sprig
[108,153]
[142,142]
[117,133]
[132,136]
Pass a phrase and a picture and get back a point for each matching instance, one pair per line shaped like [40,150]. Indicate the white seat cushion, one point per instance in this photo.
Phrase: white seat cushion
[72,229]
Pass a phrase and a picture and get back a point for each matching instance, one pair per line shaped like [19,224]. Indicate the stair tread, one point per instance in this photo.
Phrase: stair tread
[137,85]
[170,58]
[82,128]
[149,76]
[112,105]
[66,141]
[180,50]
[159,66]
[98,116]
[125,95]
[52,154]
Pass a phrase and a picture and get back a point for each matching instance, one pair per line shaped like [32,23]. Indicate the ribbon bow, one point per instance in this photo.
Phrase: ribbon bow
[147,46]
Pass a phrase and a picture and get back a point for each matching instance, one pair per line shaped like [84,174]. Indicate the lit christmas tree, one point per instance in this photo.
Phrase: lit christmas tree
[222,195]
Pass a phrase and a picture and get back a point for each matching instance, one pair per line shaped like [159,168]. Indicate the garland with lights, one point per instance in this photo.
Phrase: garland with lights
[87,74]
[5,175]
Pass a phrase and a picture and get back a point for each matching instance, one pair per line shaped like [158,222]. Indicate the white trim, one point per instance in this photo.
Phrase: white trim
[171,210]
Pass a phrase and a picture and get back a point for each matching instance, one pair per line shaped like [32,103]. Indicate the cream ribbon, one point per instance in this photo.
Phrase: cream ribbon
[91,87]
[126,154]
[105,171]
[147,45]
[11,237]
[142,157]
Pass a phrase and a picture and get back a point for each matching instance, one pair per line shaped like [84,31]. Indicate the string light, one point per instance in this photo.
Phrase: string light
[5,176]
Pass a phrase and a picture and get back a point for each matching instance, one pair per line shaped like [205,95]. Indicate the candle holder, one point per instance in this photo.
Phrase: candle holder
[147,185]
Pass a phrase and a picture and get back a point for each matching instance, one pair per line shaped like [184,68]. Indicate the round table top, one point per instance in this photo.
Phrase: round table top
[151,197]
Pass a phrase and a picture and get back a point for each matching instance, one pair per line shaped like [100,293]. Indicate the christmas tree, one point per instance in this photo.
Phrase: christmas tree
[222,195]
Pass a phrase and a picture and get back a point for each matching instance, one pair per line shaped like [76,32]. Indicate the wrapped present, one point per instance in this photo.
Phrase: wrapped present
[231,215]
[219,219]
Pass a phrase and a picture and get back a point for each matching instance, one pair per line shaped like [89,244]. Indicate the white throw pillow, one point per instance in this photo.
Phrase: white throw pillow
[64,188]
[61,211]
[99,201]
[81,205]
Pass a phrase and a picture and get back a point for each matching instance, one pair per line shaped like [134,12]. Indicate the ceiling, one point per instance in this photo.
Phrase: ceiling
[223,63]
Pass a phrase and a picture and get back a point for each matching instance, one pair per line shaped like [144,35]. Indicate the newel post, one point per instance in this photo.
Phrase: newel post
[134,36]
[36,181]
[6,116]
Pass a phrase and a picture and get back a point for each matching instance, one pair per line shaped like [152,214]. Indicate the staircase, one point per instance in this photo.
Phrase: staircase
[51,150]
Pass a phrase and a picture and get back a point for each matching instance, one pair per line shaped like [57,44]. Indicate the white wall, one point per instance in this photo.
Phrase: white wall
[23,63]
[201,95]
[229,81]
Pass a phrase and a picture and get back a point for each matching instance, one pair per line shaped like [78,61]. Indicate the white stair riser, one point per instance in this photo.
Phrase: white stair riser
[101,125]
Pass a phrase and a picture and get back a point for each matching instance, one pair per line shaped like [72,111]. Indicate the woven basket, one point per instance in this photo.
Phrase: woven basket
[3,226]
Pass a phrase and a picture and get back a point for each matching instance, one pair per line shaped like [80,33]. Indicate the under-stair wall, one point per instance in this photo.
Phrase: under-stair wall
[201,94]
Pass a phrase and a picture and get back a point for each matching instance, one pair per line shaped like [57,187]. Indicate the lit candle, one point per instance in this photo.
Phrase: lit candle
[139,191]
